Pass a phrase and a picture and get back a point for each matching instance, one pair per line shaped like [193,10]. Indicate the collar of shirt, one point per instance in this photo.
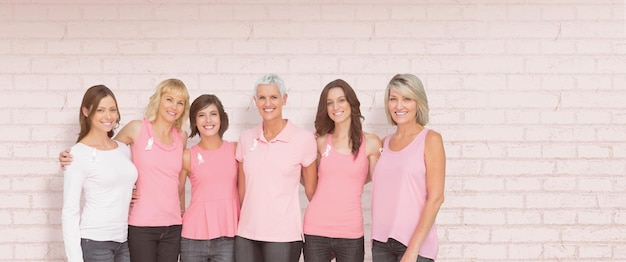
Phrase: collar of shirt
[285,135]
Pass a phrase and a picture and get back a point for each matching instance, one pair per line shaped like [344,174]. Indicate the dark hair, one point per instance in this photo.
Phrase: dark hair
[91,100]
[203,102]
[325,125]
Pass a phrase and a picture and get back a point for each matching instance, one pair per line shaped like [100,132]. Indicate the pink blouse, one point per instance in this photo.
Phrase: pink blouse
[214,208]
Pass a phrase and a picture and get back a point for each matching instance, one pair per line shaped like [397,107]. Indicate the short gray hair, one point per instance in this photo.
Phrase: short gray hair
[271,79]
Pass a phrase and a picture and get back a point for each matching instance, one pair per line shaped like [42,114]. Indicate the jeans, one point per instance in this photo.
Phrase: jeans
[247,250]
[104,251]
[322,249]
[154,244]
[220,249]
[391,251]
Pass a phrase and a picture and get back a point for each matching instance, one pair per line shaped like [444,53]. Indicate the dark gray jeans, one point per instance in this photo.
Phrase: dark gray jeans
[104,251]
[154,244]
[247,250]
[221,249]
[322,249]
[391,251]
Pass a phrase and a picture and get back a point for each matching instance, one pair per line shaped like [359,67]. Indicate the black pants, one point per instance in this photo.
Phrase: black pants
[247,250]
[322,249]
[391,251]
[154,244]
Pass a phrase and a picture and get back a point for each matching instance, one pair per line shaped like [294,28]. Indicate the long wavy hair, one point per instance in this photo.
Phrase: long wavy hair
[91,100]
[325,125]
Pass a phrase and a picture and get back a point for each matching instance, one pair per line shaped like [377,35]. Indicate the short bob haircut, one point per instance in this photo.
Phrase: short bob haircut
[409,86]
[271,79]
[201,103]
[91,100]
[324,124]
[174,86]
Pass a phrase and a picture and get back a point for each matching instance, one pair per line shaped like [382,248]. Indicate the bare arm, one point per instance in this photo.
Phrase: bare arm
[182,179]
[372,148]
[309,179]
[129,133]
[435,159]
[241,183]
[321,148]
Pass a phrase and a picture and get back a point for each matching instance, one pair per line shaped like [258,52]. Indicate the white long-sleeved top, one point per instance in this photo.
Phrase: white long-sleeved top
[106,180]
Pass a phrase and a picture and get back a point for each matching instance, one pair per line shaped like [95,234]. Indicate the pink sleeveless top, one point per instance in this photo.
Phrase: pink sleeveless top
[335,210]
[158,166]
[214,208]
[399,194]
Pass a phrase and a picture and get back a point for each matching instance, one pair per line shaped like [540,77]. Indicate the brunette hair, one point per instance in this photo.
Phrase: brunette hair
[91,100]
[203,102]
[325,125]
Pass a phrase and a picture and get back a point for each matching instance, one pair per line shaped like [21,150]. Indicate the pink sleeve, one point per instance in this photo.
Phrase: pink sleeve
[309,147]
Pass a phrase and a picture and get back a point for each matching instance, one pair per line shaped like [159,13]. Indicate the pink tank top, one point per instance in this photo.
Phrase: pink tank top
[214,208]
[335,210]
[399,194]
[158,166]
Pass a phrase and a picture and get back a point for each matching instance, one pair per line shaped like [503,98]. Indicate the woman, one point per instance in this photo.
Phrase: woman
[157,143]
[105,175]
[273,157]
[333,222]
[408,181]
[210,223]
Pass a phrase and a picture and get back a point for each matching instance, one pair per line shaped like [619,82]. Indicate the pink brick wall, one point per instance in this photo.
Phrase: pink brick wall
[528,95]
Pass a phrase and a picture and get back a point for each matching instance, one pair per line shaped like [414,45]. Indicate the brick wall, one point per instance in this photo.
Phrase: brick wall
[528,95]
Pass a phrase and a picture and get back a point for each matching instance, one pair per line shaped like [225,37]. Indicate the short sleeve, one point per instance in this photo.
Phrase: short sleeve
[309,148]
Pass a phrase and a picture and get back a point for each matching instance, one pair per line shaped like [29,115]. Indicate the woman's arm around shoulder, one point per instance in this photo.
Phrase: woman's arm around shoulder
[129,133]
[372,148]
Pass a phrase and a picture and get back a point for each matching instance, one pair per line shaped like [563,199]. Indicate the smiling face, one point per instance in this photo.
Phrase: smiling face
[208,121]
[105,115]
[171,106]
[269,102]
[401,108]
[337,105]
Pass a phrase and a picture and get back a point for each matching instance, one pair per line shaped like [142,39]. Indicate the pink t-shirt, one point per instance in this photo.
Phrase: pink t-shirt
[335,210]
[214,208]
[399,194]
[158,166]
[271,206]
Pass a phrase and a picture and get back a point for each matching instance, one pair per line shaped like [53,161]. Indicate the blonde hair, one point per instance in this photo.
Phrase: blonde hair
[176,87]
[409,86]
